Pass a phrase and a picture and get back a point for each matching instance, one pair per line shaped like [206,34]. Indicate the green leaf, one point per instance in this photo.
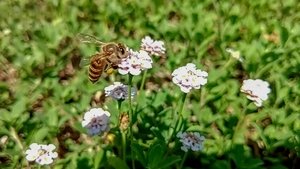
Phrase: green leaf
[138,151]
[98,158]
[155,155]
[159,99]
[169,161]
[40,134]
[117,163]
[278,166]
[158,134]
[5,115]
[52,117]
[239,156]
[284,35]
[194,128]
[221,164]
[18,108]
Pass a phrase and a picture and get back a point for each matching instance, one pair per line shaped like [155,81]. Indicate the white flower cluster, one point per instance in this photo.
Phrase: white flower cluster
[119,91]
[191,140]
[41,154]
[96,120]
[135,63]
[188,77]
[256,90]
[153,47]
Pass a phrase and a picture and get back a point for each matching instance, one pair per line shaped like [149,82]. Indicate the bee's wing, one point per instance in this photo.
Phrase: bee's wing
[84,62]
[85,38]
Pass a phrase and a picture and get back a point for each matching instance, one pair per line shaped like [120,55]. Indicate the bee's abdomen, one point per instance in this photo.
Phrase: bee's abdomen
[95,70]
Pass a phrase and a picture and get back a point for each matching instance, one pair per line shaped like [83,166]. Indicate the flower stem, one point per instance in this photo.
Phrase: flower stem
[123,133]
[15,136]
[130,77]
[182,103]
[183,160]
[180,117]
[228,63]
[143,80]
[120,110]
[240,124]
[124,145]
[119,106]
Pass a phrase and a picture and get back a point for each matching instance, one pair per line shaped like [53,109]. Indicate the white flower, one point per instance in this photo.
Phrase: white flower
[96,120]
[119,91]
[188,77]
[153,47]
[41,154]
[235,54]
[191,140]
[135,63]
[256,90]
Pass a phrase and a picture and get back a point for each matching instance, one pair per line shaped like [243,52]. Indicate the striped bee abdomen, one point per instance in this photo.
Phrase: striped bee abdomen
[96,68]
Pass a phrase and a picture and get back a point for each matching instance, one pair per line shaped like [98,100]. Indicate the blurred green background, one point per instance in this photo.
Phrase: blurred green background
[44,92]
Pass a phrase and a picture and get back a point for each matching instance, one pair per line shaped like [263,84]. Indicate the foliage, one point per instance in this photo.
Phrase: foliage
[44,93]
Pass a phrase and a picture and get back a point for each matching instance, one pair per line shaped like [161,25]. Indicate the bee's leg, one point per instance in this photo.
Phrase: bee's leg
[115,66]
[107,67]
[109,61]
[110,71]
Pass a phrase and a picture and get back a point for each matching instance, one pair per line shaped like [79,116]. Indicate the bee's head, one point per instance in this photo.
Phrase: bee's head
[122,50]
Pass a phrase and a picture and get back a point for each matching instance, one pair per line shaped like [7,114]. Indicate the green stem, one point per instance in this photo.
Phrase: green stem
[143,80]
[183,160]
[240,124]
[130,117]
[15,136]
[202,95]
[228,63]
[124,145]
[120,110]
[119,106]
[180,118]
[123,133]
[182,103]
[218,11]
[129,98]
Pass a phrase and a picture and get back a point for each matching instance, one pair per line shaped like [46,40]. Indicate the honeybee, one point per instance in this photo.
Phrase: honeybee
[107,59]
